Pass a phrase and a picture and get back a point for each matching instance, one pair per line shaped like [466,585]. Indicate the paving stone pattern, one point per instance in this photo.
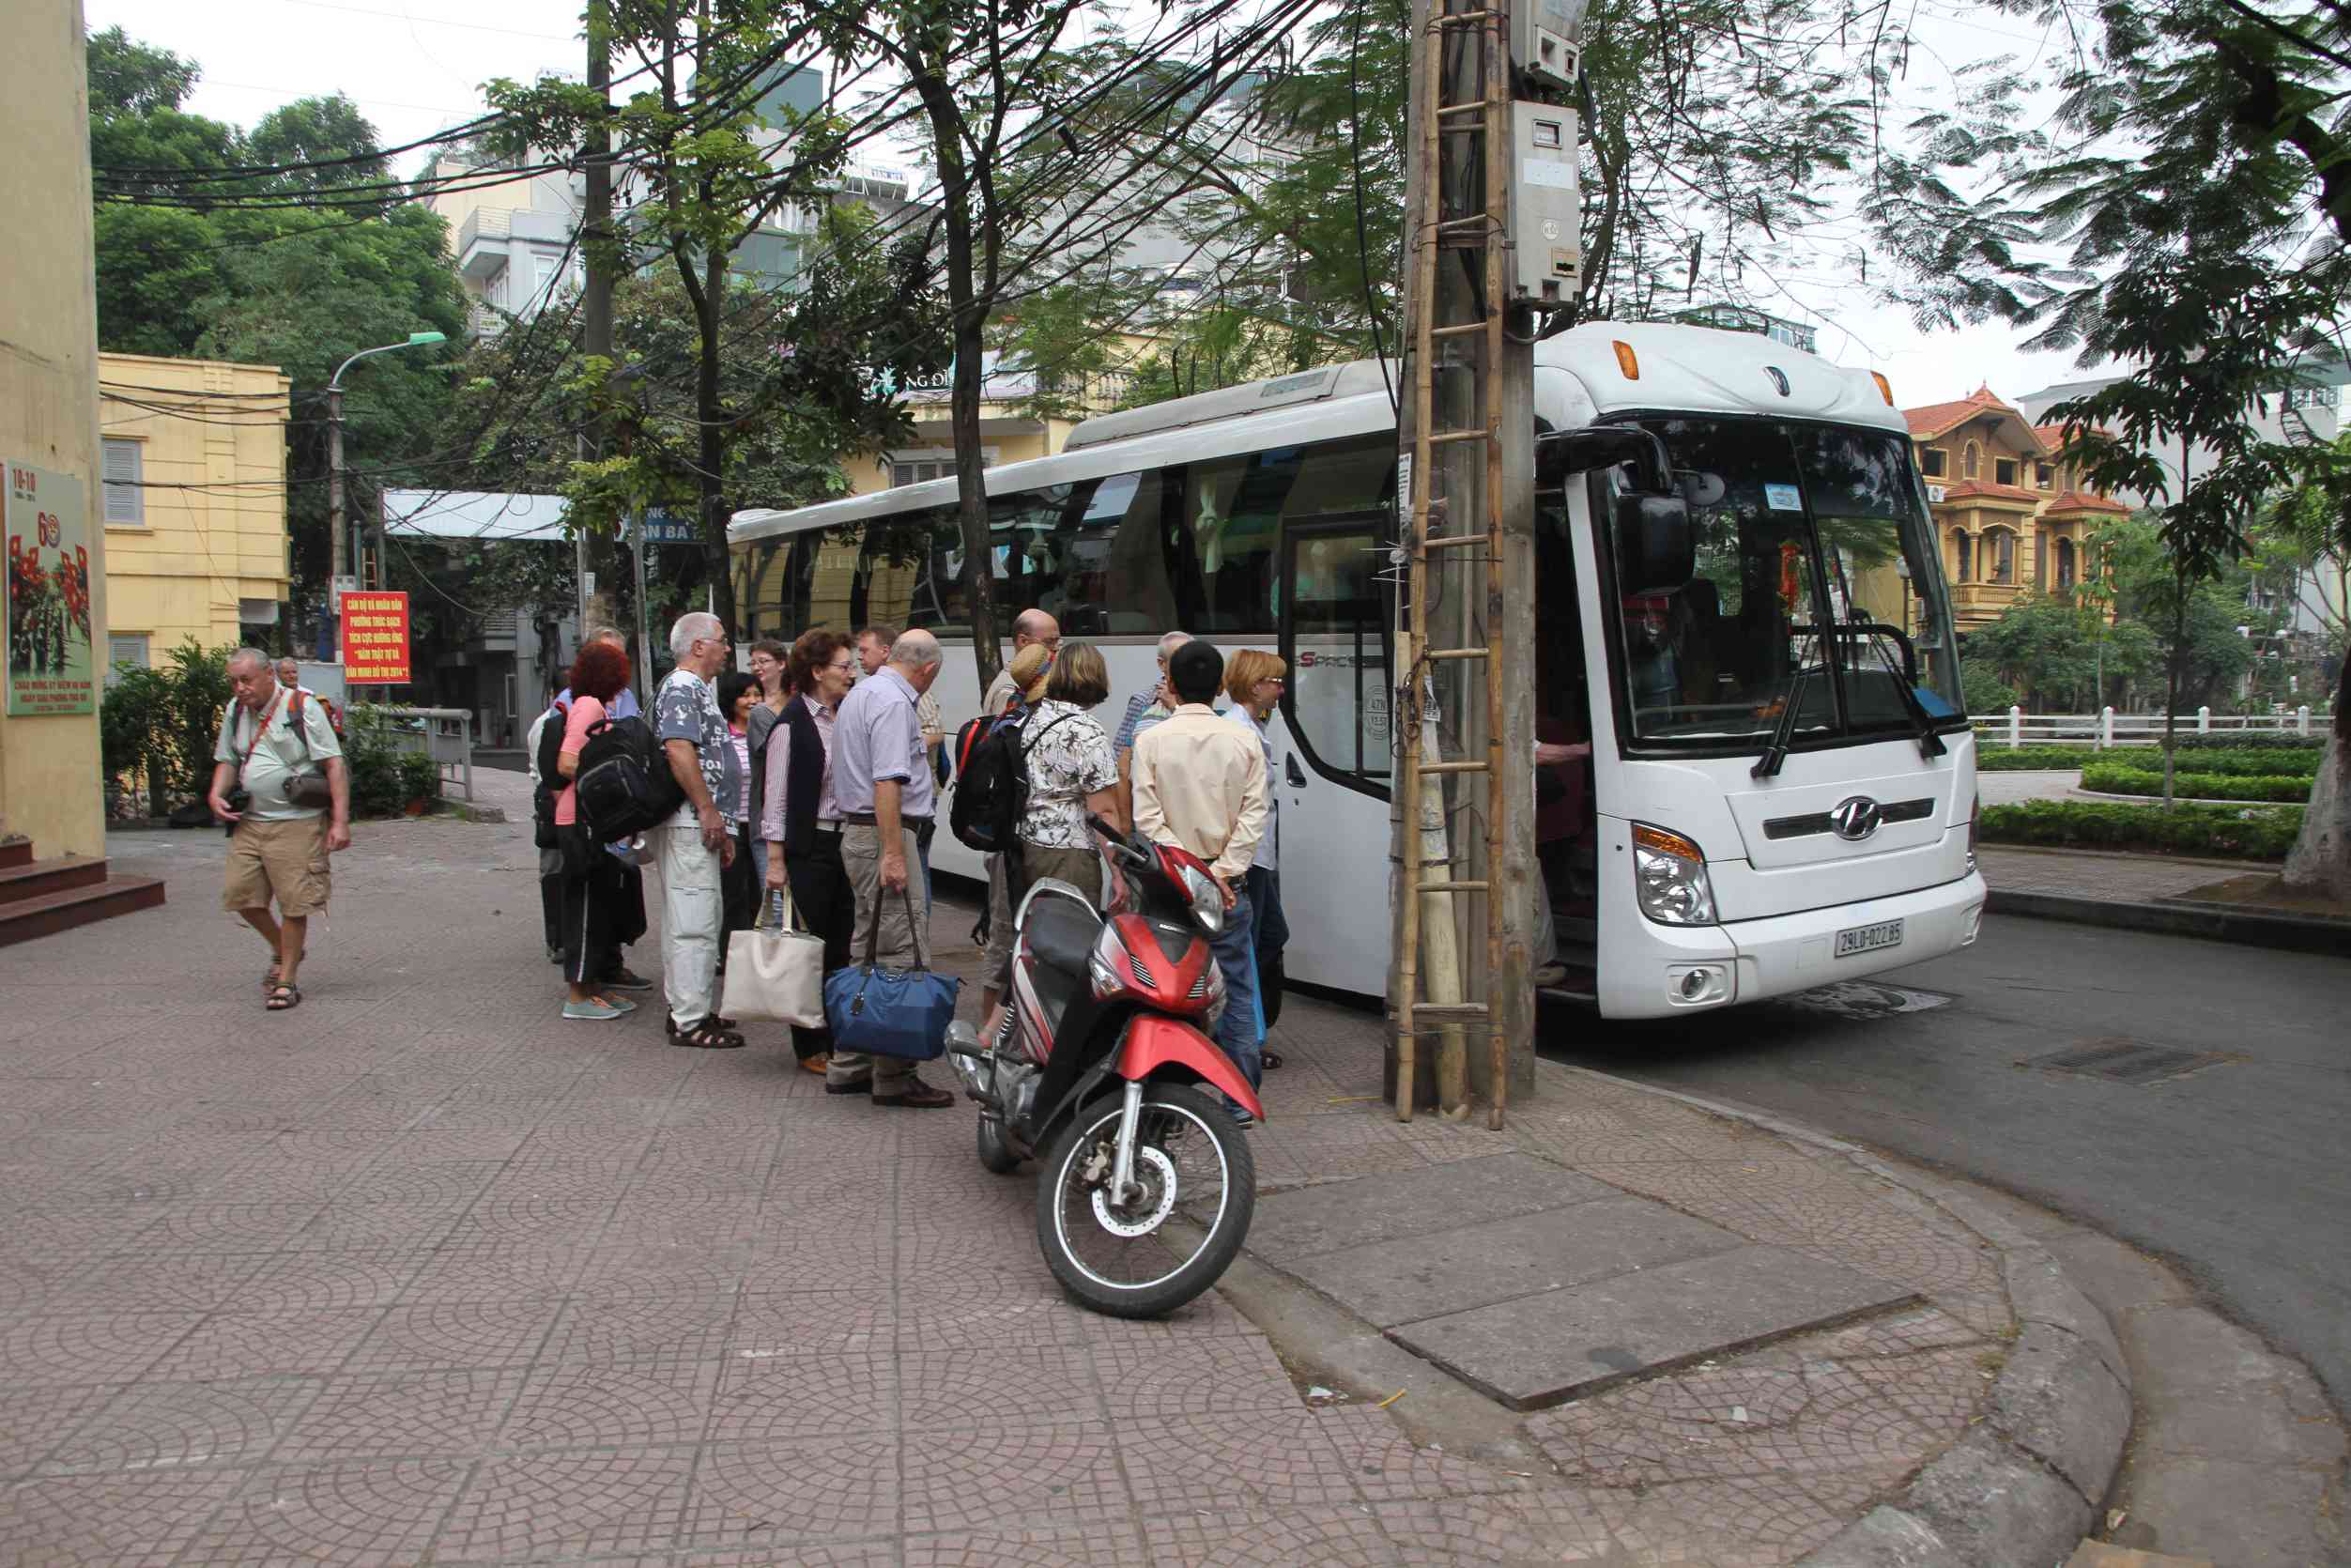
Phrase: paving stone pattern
[417,1273]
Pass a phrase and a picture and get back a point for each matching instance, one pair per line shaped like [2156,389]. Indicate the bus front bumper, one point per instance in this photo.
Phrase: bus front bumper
[1747,960]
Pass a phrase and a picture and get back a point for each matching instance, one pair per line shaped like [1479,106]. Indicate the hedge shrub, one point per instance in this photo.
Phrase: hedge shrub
[2235,742]
[2245,833]
[2263,762]
[2117,779]
[1999,759]
[385,775]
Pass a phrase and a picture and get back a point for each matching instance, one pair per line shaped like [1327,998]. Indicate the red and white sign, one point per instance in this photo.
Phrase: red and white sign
[374,639]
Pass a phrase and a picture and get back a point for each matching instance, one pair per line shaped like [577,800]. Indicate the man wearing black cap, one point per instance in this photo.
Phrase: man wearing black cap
[1200,784]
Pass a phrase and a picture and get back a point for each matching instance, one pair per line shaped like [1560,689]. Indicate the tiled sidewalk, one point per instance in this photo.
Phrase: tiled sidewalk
[420,1273]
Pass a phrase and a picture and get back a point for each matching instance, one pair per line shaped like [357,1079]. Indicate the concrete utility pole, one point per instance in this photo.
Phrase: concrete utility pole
[595,238]
[1472,302]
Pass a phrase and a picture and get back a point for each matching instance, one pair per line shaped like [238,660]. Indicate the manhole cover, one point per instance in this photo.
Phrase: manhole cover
[2126,1061]
[1867,999]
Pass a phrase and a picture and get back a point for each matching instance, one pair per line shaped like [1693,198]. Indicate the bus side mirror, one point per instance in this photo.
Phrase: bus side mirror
[1656,548]
[1603,446]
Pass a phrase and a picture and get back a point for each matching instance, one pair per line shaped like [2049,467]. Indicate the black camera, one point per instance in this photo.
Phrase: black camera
[238,800]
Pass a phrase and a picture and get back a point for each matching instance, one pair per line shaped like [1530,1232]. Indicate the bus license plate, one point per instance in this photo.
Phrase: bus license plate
[1868,939]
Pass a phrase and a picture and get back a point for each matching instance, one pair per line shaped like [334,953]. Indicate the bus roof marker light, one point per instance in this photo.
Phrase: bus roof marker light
[1885,388]
[1627,361]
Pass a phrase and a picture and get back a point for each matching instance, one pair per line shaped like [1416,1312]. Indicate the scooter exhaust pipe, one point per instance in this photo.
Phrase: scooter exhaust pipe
[974,1064]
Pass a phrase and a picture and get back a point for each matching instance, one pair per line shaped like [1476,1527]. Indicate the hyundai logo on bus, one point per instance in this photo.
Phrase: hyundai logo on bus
[1856,819]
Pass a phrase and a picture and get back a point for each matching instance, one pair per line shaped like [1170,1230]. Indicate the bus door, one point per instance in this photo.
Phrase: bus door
[1333,760]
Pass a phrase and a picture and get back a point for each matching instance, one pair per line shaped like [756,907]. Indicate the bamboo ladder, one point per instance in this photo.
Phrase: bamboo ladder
[1488,118]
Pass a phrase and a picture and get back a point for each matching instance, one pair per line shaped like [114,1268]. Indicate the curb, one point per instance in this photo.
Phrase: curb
[2024,1485]
[2291,933]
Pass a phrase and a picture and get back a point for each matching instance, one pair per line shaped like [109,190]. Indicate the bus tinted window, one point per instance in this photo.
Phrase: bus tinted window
[1117,582]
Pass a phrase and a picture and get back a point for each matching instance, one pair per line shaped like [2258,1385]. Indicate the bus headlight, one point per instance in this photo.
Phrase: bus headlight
[1669,878]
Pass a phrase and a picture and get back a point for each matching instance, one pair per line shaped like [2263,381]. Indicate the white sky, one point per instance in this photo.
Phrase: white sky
[414,67]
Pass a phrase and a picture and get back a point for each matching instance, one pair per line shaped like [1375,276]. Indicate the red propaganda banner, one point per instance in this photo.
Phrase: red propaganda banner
[375,638]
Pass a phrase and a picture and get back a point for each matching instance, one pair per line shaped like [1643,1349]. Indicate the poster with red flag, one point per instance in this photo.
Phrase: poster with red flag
[51,666]
[374,639]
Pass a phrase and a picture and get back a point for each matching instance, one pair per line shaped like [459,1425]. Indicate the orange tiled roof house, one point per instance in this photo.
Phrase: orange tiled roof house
[2011,518]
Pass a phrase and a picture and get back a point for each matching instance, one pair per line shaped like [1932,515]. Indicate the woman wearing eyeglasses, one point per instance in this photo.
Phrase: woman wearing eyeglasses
[802,823]
[1254,679]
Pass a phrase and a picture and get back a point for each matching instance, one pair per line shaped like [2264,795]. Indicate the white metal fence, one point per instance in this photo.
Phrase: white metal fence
[2107,728]
[445,734]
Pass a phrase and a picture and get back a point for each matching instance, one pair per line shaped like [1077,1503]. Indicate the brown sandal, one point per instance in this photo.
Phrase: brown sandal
[283,998]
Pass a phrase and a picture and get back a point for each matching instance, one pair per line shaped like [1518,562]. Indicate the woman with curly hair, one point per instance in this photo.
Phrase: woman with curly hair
[592,885]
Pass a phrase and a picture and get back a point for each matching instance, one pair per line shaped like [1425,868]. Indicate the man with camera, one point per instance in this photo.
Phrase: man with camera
[279,782]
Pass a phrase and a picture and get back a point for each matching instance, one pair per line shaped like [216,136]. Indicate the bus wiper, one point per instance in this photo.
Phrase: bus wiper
[1905,684]
[1767,765]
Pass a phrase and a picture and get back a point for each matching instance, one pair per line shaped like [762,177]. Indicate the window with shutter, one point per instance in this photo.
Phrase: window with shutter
[125,649]
[125,503]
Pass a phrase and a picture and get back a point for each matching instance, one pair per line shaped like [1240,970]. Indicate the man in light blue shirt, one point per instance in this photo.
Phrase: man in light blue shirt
[882,782]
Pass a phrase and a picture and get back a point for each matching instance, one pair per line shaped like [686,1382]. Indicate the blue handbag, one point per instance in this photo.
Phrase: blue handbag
[898,1013]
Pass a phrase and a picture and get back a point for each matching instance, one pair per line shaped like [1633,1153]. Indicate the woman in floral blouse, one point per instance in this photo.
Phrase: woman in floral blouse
[1071,771]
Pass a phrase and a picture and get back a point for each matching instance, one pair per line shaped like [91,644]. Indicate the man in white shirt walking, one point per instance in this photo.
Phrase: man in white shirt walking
[1200,783]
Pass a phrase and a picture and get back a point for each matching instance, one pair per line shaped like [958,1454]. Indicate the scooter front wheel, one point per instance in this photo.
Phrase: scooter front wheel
[1195,1190]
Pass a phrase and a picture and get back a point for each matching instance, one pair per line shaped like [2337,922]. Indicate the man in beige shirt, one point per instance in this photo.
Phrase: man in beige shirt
[1200,784]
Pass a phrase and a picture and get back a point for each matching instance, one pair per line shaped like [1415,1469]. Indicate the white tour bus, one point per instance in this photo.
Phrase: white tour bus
[1782,783]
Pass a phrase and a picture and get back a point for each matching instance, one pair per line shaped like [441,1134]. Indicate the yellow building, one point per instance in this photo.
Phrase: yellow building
[49,762]
[2012,516]
[193,458]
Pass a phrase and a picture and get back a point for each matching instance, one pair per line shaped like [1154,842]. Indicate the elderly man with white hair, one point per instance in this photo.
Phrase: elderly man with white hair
[695,845]
[275,747]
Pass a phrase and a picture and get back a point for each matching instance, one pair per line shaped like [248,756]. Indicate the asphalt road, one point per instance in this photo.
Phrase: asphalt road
[2235,1169]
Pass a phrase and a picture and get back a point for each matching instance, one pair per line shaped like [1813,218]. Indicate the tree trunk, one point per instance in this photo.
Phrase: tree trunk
[971,318]
[2171,688]
[2320,861]
[711,411]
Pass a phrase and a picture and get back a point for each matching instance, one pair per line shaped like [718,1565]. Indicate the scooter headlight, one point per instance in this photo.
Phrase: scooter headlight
[1669,879]
[1208,901]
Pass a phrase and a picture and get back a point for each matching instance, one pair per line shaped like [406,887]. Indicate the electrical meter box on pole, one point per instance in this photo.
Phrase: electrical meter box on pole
[1545,209]
[1543,39]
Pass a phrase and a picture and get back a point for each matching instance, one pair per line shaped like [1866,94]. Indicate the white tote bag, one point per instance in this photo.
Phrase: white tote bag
[775,976]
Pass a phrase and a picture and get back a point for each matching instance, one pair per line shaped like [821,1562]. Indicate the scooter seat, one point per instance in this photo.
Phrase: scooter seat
[1061,934]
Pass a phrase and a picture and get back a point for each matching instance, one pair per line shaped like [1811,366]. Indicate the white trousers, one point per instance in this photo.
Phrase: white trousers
[692,913]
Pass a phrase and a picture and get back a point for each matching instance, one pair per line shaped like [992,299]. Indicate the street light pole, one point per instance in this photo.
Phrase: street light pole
[336,552]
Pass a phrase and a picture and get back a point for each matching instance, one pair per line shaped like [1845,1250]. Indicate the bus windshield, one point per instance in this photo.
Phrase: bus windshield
[1817,584]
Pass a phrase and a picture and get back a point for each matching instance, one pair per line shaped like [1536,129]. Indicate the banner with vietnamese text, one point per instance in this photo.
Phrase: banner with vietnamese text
[375,638]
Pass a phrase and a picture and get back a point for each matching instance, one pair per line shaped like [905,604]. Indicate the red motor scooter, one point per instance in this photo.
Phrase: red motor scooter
[1102,1068]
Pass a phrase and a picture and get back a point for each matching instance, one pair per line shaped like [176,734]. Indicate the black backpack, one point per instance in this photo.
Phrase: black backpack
[991,786]
[550,781]
[624,781]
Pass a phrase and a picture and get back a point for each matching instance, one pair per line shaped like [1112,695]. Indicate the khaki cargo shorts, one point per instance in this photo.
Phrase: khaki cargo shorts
[286,860]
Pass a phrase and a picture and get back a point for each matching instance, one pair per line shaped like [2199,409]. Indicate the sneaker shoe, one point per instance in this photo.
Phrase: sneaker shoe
[590,1010]
[621,1004]
[626,978]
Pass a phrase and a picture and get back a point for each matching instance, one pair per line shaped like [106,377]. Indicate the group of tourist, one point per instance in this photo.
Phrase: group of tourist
[811,785]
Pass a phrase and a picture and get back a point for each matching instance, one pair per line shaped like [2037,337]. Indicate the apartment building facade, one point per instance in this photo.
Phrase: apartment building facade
[193,459]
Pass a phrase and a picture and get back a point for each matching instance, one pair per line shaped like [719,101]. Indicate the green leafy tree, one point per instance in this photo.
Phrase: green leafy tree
[2197,159]
[198,257]
[711,167]
[2056,649]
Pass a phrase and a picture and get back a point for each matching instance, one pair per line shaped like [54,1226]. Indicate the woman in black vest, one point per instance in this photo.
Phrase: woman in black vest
[801,822]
